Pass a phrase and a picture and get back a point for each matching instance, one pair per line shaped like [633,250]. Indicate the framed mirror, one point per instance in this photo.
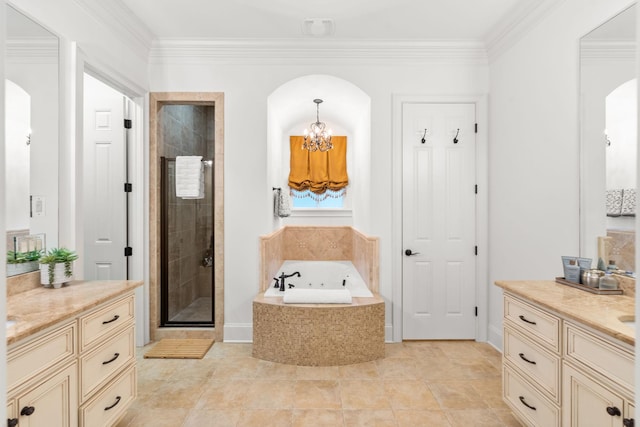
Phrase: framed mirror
[608,142]
[32,93]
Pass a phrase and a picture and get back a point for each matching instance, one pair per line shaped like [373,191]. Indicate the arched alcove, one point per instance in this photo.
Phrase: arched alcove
[347,110]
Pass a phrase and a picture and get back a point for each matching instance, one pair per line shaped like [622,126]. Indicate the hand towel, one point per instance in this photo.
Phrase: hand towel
[189,177]
[317,296]
[628,202]
[283,203]
[614,202]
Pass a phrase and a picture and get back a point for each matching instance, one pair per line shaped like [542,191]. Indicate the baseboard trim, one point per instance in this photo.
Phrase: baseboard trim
[238,332]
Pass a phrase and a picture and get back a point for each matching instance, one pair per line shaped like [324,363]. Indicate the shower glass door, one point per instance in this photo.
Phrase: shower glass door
[186,252]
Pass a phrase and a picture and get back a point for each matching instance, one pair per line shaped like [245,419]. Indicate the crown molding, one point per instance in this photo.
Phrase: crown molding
[120,20]
[32,50]
[304,51]
[610,50]
[516,25]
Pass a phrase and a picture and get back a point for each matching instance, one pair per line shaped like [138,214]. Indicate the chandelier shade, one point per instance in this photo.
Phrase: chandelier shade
[317,137]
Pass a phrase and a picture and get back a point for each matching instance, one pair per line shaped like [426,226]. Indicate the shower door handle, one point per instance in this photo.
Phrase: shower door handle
[409,252]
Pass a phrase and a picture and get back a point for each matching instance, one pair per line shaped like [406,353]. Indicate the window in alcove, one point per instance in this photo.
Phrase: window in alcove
[318,179]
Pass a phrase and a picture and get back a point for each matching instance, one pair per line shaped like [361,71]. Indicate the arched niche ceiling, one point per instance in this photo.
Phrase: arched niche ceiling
[344,104]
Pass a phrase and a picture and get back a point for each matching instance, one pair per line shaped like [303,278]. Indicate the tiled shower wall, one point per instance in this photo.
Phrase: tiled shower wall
[187,130]
[320,244]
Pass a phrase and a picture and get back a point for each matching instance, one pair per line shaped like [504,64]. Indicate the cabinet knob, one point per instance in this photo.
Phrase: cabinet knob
[628,422]
[613,411]
[12,422]
[27,410]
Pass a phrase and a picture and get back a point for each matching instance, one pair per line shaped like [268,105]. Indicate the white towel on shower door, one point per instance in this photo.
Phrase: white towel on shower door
[189,177]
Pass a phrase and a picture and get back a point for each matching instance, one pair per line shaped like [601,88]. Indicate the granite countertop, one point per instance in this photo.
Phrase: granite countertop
[600,312]
[37,309]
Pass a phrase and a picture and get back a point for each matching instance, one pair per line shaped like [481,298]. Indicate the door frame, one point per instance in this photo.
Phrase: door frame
[138,199]
[482,202]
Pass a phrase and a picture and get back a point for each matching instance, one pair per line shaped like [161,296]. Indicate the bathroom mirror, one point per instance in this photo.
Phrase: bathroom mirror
[608,143]
[31,101]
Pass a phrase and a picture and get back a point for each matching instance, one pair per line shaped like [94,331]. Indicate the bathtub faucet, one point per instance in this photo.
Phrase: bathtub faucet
[285,276]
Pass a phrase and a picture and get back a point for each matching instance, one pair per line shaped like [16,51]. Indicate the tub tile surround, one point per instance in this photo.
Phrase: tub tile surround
[623,248]
[320,243]
[319,334]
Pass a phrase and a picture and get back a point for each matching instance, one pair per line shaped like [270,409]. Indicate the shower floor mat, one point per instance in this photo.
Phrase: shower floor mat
[179,349]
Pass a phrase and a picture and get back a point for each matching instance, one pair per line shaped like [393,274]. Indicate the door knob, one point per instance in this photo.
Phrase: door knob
[409,252]
[628,422]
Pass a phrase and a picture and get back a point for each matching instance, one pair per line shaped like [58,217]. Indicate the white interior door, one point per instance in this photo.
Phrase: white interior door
[105,210]
[438,284]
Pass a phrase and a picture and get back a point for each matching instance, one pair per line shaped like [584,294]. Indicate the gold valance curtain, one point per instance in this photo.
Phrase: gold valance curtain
[316,170]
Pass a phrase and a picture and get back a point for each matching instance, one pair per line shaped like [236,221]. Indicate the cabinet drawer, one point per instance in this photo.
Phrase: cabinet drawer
[518,393]
[100,323]
[605,357]
[536,324]
[541,365]
[41,353]
[103,363]
[111,402]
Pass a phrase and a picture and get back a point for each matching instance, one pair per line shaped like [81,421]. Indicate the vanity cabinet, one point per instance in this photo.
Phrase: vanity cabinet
[78,373]
[597,380]
[531,363]
[559,372]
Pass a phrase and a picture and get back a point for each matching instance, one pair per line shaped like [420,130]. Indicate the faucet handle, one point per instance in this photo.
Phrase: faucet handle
[291,286]
[277,285]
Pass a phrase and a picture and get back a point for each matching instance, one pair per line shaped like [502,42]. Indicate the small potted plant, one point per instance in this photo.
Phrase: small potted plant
[56,267]
[22,262]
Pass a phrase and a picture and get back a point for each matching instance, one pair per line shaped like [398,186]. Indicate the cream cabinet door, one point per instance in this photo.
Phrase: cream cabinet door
[629,415]
[51,403]
[587,403]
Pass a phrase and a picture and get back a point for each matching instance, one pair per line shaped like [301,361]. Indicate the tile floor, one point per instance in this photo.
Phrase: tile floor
[427,383]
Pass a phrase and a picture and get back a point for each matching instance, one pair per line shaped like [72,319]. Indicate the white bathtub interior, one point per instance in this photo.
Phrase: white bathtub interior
[320,275]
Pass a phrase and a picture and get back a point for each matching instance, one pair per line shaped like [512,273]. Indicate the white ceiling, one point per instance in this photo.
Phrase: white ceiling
[353,19]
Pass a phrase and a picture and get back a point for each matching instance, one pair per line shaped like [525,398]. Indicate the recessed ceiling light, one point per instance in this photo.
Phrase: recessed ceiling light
[318,27]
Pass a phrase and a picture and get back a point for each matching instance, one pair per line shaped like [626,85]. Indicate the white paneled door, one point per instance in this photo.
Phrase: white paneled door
[438,204]
[105,209]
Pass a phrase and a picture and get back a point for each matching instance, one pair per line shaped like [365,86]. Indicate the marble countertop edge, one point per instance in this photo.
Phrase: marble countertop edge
[38,309]
[599,312]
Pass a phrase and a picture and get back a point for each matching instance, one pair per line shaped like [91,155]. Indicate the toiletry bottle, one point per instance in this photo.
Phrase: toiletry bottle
[612,266]
[608,281]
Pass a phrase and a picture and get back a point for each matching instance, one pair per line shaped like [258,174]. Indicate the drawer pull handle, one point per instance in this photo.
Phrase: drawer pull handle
[613,411]
[524,319]
[115,356]
[526,404]
[27,410]
[114,405]
[628,422]
[12,422]
[525,359]
[116,317]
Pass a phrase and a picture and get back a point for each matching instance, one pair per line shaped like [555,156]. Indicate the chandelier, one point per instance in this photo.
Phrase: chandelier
[317,139]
